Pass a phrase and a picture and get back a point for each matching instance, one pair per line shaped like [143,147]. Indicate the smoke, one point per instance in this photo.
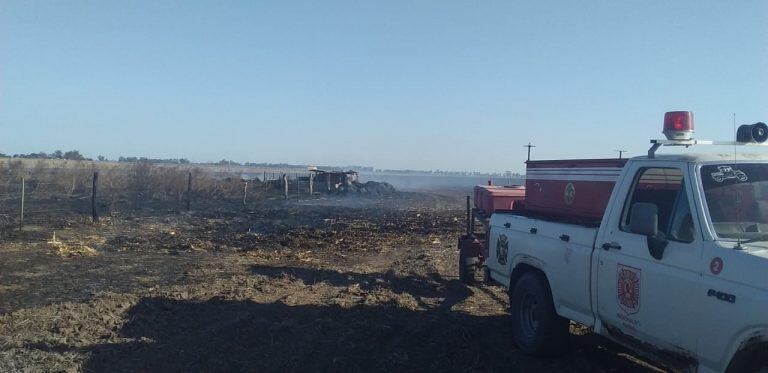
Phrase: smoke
[434,182]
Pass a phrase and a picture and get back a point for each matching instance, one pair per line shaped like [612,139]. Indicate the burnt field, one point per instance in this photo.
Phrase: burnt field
[323,284]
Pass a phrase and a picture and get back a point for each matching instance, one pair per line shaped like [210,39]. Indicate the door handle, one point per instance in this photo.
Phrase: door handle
[611,245]
[507,225]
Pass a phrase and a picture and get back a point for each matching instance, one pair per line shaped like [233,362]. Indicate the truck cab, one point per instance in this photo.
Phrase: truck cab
[692,287]
[676,269]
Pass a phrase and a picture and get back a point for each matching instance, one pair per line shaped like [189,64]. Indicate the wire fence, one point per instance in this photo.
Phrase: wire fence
[34,196]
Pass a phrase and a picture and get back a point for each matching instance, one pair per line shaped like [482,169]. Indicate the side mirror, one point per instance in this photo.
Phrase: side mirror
[645,220]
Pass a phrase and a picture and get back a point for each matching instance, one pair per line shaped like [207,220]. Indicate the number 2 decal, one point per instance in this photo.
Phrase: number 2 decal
[716,265]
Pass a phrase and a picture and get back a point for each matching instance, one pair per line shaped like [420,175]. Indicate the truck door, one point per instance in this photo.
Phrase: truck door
[642,300]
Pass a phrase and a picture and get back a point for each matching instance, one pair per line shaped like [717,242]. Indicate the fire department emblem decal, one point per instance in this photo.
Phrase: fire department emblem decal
[570,193]
[502,248]
[628,288]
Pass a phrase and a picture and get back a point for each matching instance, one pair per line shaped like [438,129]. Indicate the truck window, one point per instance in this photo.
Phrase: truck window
[665,188]
[737,199]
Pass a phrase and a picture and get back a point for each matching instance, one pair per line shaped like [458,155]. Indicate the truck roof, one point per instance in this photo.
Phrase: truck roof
[707,157]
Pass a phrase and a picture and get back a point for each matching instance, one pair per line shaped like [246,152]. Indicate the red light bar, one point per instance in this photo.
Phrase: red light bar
[678,125]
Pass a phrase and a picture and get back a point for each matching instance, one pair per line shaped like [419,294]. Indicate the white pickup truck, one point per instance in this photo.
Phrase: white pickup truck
[677,269]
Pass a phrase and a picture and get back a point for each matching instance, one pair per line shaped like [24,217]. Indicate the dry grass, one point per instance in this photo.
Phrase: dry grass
[69,250]
[141,179]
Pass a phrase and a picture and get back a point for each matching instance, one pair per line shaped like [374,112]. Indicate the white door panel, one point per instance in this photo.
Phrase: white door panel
[641,298]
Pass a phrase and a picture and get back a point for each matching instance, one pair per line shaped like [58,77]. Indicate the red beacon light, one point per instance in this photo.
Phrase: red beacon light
[678,125]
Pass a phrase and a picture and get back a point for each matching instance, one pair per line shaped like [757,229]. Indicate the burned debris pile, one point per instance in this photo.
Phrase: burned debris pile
[348,183]
[372,188]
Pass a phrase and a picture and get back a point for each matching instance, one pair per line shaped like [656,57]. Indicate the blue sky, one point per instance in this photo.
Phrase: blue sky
[455,85]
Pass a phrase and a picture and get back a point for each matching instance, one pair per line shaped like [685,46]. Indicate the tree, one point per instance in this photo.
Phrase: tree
[57,154]
[225,162]
[73,155]
[101,158]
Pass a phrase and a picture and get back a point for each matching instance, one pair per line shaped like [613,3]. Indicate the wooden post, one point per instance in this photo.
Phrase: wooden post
[264,179]
[189,189]
[328,180]
[21,218]
[72,191]
[285,185]
[94,215]
[245,192]
[469,219]
[298,191]
[472,224]
[311,183]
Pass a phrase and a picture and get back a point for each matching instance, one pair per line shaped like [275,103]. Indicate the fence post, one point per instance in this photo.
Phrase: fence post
[245,192]
[285,185]
[189,189]
[298,185]
[21,218]
[311,183]
[328,180]
[470,227]
[94,215]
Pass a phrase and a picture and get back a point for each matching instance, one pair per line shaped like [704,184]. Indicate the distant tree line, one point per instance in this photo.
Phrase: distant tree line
[73,155]
[76,156]
[153,160]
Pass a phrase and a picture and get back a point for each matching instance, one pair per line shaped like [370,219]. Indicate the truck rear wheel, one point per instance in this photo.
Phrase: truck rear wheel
[752,359]
[467,268]
[536,328]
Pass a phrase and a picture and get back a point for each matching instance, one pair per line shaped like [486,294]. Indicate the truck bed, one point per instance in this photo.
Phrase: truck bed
[562,250]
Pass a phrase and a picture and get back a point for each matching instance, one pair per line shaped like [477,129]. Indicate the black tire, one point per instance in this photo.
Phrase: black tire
[750,360]
[467,268]
[536,328]
[487,279]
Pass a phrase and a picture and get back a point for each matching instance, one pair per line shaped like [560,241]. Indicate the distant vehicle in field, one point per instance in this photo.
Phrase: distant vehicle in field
[656,253]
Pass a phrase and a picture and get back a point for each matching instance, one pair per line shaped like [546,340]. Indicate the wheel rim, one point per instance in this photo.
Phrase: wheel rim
[529,316]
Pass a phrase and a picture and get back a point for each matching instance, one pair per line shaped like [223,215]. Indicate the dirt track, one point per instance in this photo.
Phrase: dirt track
[322,285]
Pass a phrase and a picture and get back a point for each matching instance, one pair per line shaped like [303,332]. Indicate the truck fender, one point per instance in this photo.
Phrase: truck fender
[522,264]
[750,347]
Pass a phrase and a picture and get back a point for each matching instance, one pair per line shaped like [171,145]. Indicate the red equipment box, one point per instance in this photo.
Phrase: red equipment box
[489,198]
[572,189]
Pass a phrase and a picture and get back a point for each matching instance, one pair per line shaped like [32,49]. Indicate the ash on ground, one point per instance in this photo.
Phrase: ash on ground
[278,285]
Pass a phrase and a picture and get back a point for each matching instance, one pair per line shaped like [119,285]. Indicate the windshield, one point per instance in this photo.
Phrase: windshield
[737,199]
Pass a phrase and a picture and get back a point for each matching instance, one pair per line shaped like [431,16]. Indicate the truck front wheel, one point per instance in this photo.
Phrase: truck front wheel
[536,328]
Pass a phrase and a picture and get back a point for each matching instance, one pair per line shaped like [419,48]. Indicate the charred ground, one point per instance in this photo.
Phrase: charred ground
[328,284]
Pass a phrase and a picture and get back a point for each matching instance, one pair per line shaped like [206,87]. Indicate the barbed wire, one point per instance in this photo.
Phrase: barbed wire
[71,192]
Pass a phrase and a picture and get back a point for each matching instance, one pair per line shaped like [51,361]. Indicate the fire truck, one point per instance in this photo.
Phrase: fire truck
[665,254]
